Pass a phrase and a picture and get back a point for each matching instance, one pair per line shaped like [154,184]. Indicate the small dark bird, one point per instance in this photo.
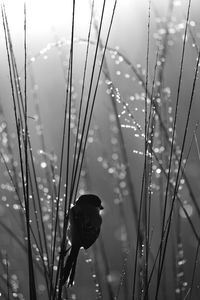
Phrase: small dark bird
[84,228]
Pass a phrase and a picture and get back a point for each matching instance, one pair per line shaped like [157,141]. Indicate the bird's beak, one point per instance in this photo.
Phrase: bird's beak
[101,207]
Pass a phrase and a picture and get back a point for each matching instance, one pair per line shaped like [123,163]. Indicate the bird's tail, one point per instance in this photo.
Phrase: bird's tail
[70,266]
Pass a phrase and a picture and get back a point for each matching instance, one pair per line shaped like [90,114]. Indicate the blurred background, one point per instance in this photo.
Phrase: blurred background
[114,158]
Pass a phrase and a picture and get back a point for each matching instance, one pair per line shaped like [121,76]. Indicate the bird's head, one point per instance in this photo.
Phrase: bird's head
[89,199]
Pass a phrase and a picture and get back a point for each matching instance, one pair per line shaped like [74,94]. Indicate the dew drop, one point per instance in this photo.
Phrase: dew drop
[188,208]
[43,165]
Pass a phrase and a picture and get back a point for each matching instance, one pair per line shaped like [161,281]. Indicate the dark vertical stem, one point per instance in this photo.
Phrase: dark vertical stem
[143,245]
[19,122]
[180,160]
[9,54]
[32,289]
[120,135]
[171,150]
[84,128]
[172,190]
[68,200]
[59,188]
[7,278]
[95,92]
[178,243]
[146,166]
[82,93]
[174,266]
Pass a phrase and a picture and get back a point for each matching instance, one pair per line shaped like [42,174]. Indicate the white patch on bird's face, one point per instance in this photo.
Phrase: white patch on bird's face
[101,211]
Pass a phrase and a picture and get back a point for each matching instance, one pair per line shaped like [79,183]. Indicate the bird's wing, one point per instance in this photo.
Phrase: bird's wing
[90,229]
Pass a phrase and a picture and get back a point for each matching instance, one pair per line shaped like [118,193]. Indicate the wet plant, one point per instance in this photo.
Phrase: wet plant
[120,129]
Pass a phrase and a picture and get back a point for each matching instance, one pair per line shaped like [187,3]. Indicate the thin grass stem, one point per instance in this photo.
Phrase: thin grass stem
[67,201]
